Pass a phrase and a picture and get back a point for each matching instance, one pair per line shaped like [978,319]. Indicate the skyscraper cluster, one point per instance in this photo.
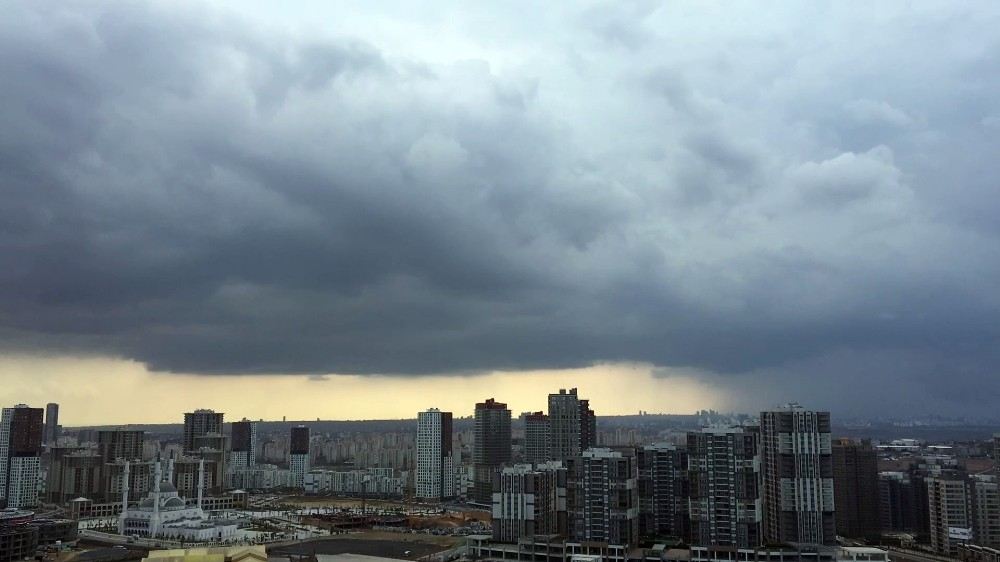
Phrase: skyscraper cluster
[738,487]
[778,478]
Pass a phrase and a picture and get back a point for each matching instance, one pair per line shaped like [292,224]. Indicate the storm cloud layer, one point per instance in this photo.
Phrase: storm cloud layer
[802,192]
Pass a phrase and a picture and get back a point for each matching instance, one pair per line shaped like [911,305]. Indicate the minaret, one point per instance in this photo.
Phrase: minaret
[201,479]
[121,519]
[154,521]
[170,469]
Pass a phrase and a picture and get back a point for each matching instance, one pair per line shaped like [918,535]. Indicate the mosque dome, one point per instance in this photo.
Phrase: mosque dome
[174,503]
[167,488]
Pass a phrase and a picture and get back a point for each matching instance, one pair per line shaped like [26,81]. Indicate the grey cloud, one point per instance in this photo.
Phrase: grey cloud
[205,195]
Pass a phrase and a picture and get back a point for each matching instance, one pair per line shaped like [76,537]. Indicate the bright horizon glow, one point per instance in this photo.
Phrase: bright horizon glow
[104,391]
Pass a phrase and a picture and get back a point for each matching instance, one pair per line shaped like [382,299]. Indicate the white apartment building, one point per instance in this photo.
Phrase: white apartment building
[435,465]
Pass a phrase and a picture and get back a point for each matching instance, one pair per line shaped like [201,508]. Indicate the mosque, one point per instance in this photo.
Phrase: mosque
[164,514]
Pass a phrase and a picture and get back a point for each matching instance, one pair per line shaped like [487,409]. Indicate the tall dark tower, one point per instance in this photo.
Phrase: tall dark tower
[244,443]
[298,454]
[51,423]
[856,489]
[21,431]
[491,449]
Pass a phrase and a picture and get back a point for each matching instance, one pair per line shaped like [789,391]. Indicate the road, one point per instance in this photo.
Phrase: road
[897,555]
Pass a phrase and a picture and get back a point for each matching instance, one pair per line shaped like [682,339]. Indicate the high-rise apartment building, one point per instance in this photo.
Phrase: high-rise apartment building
[298,455]
[244,444]
[21,431]
[950,512]
[435,468]
[572,425]
[529,500]
[856,491]
[663,491]
[984,502]
[140,479]
[198,423]
[536,438]
[797,476]
[73,472]
[187,471]
[490,447]
[725,506]
[212,448]
[899,502]
[51,423]
[602,497]
[588,426]
[125,444]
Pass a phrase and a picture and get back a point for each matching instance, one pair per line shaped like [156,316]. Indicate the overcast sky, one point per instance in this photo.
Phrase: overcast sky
[779,201]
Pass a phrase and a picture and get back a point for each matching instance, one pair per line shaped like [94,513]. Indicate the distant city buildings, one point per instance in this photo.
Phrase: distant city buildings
[435,479]
[777,487]
[368,482]
[259,477]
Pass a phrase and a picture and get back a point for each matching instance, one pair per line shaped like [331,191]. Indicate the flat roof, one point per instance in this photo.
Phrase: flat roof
[864,549]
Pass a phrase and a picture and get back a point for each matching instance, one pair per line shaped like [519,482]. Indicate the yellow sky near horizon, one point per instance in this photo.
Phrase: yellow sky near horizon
[93,391]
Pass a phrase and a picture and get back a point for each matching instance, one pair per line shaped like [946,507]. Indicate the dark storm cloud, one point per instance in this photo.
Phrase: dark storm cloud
[183,188]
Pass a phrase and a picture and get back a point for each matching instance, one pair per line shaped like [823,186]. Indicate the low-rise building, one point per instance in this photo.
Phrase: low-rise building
[372,482]
[21,534]
[259,477]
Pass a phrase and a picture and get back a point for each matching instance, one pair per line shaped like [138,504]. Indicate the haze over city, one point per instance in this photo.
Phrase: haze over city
[359,211]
